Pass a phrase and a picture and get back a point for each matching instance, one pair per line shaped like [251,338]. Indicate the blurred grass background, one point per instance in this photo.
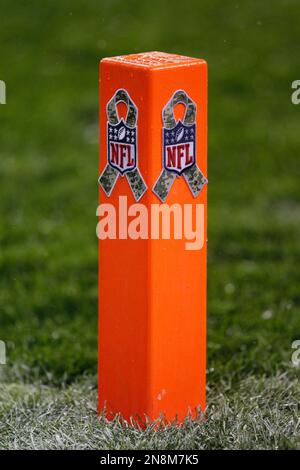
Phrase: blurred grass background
[49,53]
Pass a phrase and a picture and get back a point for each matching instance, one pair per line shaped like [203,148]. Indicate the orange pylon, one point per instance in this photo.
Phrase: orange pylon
[152,292]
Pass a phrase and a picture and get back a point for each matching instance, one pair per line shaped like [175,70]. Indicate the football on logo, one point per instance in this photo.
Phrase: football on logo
[179,134]
[121,133]
[179,147]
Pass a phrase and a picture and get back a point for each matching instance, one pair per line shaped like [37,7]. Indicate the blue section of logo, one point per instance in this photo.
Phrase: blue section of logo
[179,147]
[121,147]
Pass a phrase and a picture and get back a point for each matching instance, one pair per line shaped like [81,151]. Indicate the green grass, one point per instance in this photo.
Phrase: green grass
[40,417]
[49,56]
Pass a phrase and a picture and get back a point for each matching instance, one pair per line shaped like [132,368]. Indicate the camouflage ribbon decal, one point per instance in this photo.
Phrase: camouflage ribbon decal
[179,148]
[122,147]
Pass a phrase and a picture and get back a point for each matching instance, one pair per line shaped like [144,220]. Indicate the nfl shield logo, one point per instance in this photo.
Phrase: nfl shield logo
[121,147]
[179,147]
